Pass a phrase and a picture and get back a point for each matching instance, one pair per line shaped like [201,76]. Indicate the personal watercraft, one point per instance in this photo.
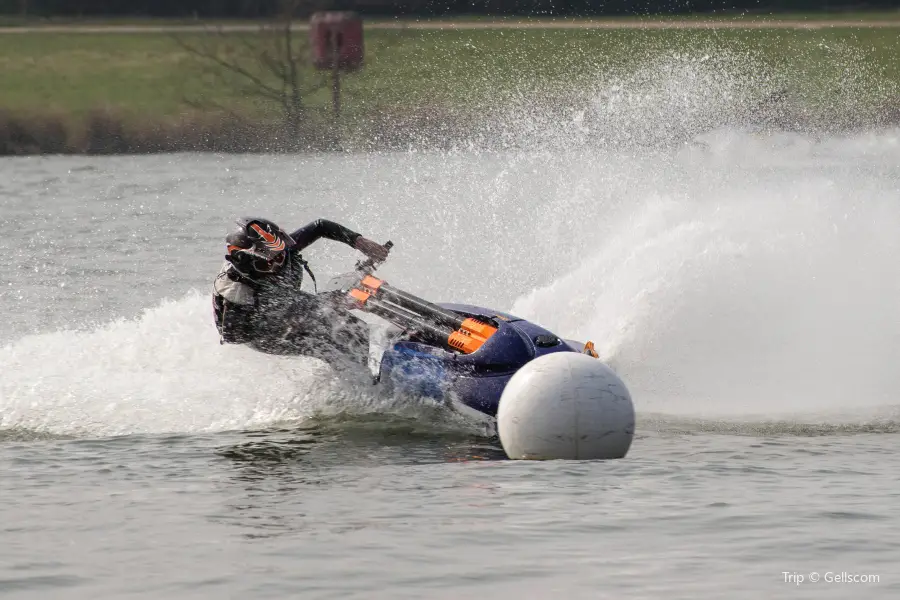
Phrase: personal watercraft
[452,353]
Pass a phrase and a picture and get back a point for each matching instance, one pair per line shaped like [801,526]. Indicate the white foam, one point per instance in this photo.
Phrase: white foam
[165,372]
[762,285]
[162,372]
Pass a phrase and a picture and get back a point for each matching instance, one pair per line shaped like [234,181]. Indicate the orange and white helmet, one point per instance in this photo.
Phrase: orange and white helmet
[257,248]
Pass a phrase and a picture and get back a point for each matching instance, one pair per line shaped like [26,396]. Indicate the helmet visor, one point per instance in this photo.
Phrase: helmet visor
[268,265]
[261,262]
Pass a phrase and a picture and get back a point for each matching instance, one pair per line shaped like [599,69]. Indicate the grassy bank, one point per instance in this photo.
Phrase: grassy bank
[66,92]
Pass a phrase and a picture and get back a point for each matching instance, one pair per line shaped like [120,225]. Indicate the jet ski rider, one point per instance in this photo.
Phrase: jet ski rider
[257,298]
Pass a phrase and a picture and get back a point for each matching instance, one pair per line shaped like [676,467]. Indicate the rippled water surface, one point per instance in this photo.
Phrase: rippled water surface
[744,286]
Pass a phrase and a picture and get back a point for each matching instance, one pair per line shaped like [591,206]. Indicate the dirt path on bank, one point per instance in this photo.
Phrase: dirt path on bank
[504,24]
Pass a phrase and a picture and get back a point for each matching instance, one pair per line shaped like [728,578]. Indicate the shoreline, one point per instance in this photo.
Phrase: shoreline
[106,134]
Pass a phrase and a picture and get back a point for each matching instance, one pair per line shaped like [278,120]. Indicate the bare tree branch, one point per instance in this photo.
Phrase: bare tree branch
[273,66]
[207,103]
[232,66]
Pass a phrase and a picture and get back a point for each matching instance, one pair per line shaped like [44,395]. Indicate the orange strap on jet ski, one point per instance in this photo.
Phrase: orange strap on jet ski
[359,295]
[369,287]
[371,283]
[471,335]
[477,328]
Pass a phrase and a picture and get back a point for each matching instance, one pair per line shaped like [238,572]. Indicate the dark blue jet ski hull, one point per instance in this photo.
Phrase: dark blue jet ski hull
[475,380]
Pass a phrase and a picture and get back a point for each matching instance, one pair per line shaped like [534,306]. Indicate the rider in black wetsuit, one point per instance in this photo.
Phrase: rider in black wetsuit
[257,298]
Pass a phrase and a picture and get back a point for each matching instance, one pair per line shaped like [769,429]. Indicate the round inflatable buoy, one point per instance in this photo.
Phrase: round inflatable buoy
[565,405]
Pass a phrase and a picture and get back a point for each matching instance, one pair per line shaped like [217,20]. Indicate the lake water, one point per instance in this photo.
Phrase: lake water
[744,286]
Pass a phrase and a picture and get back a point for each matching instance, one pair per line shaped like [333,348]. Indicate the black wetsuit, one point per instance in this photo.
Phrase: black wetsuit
[271,314]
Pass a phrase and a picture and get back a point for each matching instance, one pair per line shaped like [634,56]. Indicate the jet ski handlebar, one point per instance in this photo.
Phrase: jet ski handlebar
[449,329]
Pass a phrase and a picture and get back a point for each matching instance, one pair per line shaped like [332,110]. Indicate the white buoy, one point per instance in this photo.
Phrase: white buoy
[565,405]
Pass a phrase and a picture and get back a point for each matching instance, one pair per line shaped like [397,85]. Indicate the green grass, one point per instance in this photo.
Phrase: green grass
[734,15]
[723,15]
[149,76]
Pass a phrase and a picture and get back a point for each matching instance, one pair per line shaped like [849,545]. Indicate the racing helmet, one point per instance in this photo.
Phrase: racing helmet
[257,248]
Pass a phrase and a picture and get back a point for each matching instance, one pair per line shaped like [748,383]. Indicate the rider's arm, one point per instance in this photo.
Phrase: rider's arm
[322,228]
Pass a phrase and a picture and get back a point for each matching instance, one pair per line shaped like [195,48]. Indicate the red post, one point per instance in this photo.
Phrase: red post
[336,39]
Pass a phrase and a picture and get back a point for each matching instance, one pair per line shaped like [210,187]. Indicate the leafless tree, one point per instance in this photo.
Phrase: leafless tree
[270,65]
